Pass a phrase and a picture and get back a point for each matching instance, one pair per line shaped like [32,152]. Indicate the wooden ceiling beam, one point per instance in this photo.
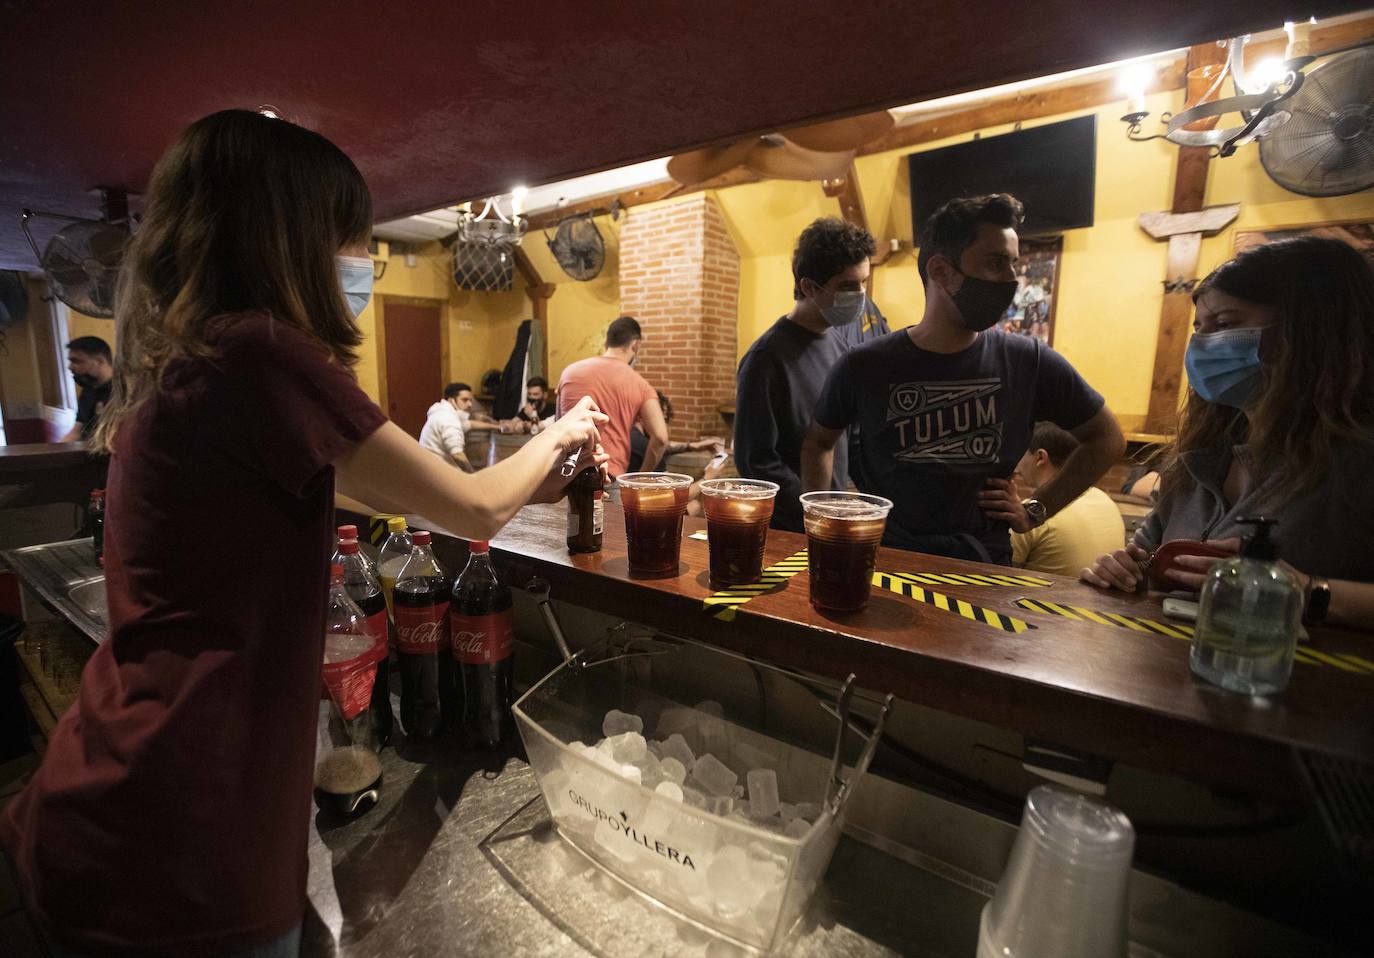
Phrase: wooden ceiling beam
[1030,105]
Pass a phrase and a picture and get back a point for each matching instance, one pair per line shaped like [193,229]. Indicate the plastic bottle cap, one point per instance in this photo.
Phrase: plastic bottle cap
[348,547]
[396,524]
[1258,545]
[420,538]
[97,493]
[348,532]
[479,545]
[335,569]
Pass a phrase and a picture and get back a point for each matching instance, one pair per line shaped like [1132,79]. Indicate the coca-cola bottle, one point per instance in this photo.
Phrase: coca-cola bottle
[586,511]
[483,641]
[394,553]
[420,604]
[347,771]
[360,580]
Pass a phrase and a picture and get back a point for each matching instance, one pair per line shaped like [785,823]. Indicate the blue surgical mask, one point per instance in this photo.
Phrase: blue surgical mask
[355,277]
[1224,367]
[846,308]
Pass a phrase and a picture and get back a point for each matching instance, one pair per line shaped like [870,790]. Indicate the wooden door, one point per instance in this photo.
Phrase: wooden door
[414,362]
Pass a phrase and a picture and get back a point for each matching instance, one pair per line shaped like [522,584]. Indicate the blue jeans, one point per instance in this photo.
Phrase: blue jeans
[287,946]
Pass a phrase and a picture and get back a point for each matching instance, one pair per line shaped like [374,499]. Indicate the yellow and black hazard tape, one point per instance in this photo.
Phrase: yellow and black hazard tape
[1177,630]
[973,578]
[723,604]
[907,584]
[376,528]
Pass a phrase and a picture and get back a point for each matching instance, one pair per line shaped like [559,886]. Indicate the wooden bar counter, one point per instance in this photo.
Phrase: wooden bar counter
[1091,683]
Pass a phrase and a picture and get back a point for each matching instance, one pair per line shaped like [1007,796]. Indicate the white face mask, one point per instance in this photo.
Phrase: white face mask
[355,279]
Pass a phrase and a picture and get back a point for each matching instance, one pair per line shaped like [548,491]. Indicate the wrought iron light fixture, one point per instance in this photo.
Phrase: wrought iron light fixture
[492,226]
[1259,97]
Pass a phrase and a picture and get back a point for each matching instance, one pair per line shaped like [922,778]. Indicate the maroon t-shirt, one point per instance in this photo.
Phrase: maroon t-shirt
[171,811]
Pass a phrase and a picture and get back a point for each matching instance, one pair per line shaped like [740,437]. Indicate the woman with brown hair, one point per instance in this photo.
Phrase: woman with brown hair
[171,811]
[1279,421]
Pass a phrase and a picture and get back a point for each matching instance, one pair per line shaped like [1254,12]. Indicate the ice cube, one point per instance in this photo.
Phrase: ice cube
[672,770]
[787,811]
[747,756]
[808,810]
[765,866]
[693,797]
[763,792]
[650,772]
[728,878]
[631,774]
[654,747]
[796,828]
[713,776]
[721,805]
[659,816]
[617,722]
[675,746]
[628,747]
[738,790]
[742,807]
[711,708]
[669,790]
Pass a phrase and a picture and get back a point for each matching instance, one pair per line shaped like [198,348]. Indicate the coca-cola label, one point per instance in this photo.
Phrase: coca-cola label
[377,628]
[421,630]
[349,684]
[482,639]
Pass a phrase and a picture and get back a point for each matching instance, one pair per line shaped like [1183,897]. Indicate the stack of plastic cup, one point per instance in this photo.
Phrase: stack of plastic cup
[1064,893]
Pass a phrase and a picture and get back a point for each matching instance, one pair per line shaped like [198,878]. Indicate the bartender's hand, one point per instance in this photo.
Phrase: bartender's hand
[1123,569]
[576,430]
[1191,571]
[1001,499]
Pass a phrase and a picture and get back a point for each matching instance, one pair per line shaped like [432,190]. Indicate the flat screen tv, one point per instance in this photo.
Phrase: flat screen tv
[1051,169]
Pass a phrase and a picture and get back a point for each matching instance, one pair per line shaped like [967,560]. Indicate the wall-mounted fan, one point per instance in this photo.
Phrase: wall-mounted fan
[1327,146]
[81,261]
[578,247]
[821,151]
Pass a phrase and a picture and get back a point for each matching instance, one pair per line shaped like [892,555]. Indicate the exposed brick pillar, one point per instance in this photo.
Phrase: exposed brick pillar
[679,276]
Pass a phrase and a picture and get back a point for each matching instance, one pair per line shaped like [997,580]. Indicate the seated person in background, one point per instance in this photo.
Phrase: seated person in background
[1076,534]
[639,442]
[447,424]
[1279,422]
[946,407]
[538,406]
[1143,483]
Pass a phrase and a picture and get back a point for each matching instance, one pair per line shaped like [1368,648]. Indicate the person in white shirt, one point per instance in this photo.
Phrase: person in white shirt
[1074,537]
[446,426]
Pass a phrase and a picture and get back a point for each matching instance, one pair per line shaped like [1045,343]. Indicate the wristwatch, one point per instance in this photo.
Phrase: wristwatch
[1318,600]
[1035,512]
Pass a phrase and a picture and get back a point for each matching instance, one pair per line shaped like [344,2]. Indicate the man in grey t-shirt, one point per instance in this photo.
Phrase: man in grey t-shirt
[945,408]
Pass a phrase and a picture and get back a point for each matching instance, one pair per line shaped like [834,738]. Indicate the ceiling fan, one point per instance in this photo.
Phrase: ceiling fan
[818,151]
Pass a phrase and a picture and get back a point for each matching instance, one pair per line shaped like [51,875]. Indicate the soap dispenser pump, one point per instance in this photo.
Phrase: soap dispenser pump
[1249,618]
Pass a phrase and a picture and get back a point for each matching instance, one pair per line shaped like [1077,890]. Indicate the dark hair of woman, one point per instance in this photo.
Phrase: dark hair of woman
[243,213]
[1317,387]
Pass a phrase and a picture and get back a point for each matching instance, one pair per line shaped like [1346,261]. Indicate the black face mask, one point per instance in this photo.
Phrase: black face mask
[982,302]
[84,380]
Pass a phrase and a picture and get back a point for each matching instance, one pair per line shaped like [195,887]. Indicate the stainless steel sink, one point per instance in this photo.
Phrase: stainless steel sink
[89,597]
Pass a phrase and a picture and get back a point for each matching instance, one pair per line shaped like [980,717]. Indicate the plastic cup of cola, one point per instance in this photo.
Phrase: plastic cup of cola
[737,515]
[654,504]
[1064,892]
[843,532]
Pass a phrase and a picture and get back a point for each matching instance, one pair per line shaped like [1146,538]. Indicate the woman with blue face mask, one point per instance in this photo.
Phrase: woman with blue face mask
[175,792]
[1279,421]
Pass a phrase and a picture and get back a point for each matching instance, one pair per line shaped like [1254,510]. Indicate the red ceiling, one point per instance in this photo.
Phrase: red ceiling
[442,101]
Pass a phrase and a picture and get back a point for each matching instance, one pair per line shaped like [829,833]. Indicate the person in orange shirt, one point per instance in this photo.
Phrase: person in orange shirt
[619,392]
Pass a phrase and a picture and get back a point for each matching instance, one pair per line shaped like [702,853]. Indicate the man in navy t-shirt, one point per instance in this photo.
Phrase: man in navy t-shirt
[945,408]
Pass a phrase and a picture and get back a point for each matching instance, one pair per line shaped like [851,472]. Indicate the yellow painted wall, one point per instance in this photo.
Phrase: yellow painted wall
[1110,277]
[79,324]
[481,326]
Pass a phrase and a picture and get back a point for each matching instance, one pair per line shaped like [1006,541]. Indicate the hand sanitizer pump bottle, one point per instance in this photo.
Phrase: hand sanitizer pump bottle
[1249,619]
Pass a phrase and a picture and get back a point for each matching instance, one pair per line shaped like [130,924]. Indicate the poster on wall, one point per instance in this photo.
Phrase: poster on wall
[1358,235]
[1031,312]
